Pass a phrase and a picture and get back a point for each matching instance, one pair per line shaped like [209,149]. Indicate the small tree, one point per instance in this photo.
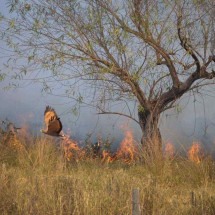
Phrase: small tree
[149,53]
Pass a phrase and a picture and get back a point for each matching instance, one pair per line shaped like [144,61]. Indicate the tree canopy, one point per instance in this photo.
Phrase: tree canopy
[146,52]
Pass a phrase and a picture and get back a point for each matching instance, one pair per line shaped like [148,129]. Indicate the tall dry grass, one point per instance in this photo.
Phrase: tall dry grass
[38,180]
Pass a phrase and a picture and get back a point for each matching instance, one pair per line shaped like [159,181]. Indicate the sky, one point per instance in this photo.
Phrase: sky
[25,106]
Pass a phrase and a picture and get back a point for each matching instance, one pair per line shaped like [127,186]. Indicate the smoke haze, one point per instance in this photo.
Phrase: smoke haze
[25,106]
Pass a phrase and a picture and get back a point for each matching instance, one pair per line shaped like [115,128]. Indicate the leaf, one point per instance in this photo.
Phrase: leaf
[75,111]
[31,57]
[80,99]
[27,7]
[141,109]
[61,37]
[178,108]
[2,76]
[12,23]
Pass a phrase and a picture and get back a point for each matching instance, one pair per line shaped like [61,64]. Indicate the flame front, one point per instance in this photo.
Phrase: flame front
[106,157]
[195,152]
[71,149]
[127,150]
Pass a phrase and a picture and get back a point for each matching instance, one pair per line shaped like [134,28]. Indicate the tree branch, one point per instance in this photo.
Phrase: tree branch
[185,42]
[120,114]
[150,41]
[176,93]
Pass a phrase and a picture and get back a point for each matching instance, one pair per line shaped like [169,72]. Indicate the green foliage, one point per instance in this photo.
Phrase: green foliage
[178,108]
[27,7]
[2,76]
[12,23]
[141,109]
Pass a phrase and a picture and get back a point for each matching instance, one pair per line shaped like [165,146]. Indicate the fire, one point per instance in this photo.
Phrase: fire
[169,150]
[127,150]
[106,157]
[71,149]
[195,152]
[10,136]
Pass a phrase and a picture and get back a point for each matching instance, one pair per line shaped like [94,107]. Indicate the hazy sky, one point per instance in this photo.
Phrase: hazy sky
[26,106]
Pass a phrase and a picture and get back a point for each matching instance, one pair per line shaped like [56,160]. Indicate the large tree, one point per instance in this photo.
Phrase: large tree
[141,52]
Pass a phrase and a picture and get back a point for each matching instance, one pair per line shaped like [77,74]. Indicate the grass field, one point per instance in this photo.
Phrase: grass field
[39,180]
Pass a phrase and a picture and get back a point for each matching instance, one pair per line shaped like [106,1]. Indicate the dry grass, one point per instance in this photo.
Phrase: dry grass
[39,180]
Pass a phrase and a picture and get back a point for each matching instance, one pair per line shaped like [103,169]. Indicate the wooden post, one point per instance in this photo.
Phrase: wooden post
[193,199]
[135,201]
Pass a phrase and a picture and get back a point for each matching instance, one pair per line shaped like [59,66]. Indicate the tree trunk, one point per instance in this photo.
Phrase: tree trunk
[151,139]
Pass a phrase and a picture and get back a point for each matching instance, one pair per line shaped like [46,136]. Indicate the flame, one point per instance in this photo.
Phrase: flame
[14,142]
[127,150]
[106,157]
[195,152]
[71,149]
[169,150]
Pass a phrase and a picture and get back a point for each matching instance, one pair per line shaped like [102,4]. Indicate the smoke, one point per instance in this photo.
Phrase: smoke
[196,122]
[25,107]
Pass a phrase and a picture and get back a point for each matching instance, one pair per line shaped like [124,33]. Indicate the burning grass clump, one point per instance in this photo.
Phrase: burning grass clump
[41,180]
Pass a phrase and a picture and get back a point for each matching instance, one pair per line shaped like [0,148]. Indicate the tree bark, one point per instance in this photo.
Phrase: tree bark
[151,138]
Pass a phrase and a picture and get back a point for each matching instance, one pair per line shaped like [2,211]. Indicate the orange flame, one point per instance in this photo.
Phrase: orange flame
[169,150]
[106,157]
[127,150]
[195,152]
[71,149]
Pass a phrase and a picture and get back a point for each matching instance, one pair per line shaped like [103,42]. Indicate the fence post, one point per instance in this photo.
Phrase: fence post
[135,201]
[193,199]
